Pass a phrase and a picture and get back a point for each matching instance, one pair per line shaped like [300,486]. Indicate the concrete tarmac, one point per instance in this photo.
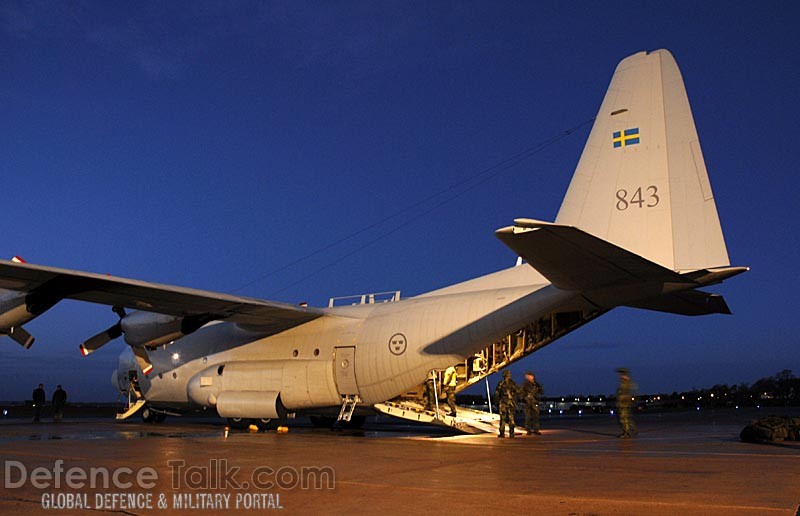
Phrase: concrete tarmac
[684,463]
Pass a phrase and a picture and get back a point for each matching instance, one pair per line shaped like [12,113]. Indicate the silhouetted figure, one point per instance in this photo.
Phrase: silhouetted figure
[625,393]
[38,402]
[59,400]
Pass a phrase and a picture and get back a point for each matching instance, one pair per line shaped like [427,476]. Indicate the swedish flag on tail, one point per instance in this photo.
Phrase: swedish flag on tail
[625,137]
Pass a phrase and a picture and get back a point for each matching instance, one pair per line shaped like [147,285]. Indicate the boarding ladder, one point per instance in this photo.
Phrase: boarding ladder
[491,359]
[349,403]
[134,400]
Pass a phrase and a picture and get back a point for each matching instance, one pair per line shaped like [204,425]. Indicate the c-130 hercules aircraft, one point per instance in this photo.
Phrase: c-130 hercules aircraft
[638,227]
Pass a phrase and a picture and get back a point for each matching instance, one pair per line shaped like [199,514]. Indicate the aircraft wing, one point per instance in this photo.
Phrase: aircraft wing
[48,285]
[575,260]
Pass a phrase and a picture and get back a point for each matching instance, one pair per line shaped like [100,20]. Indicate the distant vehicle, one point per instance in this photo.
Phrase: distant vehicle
[638,227]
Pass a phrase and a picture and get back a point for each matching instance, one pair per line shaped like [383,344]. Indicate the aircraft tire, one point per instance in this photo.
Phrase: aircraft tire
[238,422]
[148,416]
[265,424]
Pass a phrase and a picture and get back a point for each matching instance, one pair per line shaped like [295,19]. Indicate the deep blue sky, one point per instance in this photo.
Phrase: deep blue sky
[208,144]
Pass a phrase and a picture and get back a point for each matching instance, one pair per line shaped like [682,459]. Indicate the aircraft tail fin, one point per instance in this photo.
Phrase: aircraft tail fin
[641,182]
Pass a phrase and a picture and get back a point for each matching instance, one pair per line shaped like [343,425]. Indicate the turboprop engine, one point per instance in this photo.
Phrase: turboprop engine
[145,330]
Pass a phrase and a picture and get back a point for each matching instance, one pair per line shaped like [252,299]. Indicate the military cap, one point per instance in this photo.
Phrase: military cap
[529,373]
[623,370]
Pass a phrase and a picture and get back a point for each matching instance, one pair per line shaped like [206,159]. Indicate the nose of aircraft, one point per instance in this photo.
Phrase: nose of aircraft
[115,380]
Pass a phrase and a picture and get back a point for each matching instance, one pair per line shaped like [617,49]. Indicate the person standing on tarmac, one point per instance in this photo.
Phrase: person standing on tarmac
[430,393]
[38,402]
[531,390]
[59,400]
[625,393]
[450,380]
[505,395]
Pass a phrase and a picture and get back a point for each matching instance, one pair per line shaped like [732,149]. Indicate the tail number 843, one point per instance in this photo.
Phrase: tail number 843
[643,197]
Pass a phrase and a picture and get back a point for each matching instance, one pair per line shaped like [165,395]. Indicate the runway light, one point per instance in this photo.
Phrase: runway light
[698,408]
[176,357]
[5,412]
[580,412]
[612,412]
[737,407]
[561,411]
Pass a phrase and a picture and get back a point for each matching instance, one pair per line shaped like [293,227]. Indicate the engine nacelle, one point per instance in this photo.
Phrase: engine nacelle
[14,312]
[250,405]
[152,329]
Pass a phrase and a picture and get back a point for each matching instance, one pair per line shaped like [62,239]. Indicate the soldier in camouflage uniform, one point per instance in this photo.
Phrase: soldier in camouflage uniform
[531,390]
[449,383]
[625,403]
[505,395]
[430,394]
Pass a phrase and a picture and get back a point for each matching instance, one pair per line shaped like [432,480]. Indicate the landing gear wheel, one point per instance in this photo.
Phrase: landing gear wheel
[238,423]
[148,416]
[354,423]
[323,421]
[265,424]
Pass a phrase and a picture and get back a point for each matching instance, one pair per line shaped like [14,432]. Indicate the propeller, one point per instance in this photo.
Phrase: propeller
[104,337]
[142,359]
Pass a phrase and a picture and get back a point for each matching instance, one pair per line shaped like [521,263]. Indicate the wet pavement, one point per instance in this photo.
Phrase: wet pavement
[689,463]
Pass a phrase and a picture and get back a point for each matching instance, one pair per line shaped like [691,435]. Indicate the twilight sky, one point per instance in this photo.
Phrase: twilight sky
[213,145]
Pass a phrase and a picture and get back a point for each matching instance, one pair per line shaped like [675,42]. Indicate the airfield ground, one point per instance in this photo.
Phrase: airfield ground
[681,463]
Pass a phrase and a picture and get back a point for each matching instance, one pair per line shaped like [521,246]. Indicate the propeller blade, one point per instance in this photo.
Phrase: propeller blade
[142,359]
[20,335]
[101,339]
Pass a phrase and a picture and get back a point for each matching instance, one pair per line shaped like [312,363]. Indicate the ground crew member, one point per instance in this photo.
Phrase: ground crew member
[59,400]
[531,390]
[430,393]
[450,380]
[505,395]
[38,402]
[625,403]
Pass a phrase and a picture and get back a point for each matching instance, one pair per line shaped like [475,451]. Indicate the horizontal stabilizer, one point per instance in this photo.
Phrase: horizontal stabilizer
[690,302]
[575,260]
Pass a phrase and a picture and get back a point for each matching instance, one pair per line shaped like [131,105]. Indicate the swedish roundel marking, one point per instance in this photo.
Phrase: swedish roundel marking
[397,344]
